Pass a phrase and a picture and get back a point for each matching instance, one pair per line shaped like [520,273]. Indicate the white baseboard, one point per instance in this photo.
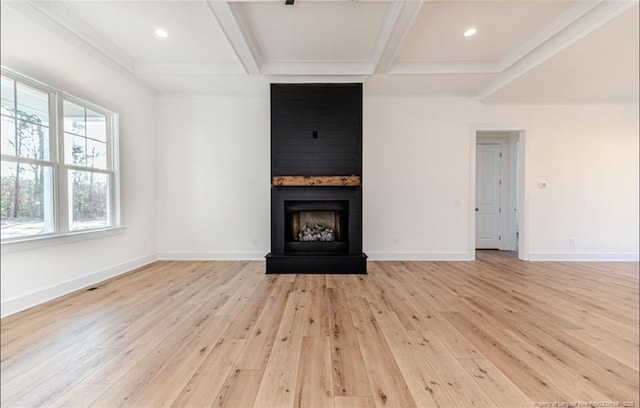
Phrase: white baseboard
[585,257]
[17,304]
[419,256]
[212,256]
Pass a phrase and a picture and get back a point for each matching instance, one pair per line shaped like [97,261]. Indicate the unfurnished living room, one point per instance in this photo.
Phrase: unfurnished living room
[320,203]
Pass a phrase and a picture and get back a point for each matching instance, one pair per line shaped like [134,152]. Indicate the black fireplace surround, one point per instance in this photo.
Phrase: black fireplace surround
[316,130]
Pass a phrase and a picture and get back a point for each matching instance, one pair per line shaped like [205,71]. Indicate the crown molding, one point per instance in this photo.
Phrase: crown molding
[189,68]
[72,27]
[236,28]
[590,21]
[64,23]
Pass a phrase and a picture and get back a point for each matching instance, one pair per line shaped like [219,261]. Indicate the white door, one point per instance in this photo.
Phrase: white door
[488,185]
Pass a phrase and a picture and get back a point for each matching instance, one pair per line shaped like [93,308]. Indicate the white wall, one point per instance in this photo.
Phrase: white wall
[32,276]
[214,179]
[214,192]
[418,150]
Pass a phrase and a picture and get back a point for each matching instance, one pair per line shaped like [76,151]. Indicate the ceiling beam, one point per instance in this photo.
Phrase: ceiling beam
[558,23]
[395,26]
[590,21]
[240,37]
[322,68]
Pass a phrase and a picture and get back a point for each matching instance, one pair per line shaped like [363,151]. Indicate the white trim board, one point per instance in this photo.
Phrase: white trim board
[20,303]
[584,257]
[212,256]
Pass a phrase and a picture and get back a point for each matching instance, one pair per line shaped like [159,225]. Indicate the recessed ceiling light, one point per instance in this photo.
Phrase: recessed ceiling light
[161,33]
[471,31]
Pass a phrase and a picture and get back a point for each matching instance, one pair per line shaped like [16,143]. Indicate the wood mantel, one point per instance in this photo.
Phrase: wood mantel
[316,181]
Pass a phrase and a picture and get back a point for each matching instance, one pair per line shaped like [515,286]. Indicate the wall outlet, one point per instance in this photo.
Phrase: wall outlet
[255,241]
[395,241]
[572,241]
[145,244]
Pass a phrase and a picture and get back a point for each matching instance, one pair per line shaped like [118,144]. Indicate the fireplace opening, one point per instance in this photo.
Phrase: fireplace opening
[316,226]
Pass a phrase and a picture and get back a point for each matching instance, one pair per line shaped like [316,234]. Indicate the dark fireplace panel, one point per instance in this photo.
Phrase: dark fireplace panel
[316,145]
[316,226]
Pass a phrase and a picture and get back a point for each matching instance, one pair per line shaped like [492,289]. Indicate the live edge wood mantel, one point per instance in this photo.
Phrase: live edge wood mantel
[316,181]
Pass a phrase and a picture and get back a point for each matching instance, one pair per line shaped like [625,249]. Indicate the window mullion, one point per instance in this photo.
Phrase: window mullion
[62,173]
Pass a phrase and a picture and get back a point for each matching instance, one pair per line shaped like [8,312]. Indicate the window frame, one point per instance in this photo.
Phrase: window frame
[62,209]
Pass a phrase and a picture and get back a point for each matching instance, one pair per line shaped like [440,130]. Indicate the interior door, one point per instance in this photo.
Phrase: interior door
[488,186]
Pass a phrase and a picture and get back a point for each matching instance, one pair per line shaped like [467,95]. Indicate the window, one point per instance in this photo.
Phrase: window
[59,167]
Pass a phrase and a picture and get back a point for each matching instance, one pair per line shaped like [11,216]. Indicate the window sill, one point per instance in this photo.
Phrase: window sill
[59,239]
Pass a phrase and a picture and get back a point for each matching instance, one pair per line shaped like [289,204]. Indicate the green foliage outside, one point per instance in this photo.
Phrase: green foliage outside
[24,186]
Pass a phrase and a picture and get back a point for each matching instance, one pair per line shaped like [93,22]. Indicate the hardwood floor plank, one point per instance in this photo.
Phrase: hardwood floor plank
[210,377]
[453,377]
[42,386]
[262,338]
[426,387]
[243,323]
[354,402]
[278,385]
[178,369]
[621,350]
[612,378]
[387,383]
[503,392]
[81,395]
[240,389]
[570,382]
[495,332]
[57,348]
[529,381]
[129,357]
[349,372]
[241,289]
[129,387]
[314,386]
[316,322]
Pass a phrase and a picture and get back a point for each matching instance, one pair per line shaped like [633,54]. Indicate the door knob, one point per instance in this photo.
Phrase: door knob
[476,209]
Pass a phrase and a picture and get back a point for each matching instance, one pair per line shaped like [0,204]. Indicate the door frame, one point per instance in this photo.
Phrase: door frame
[523,215]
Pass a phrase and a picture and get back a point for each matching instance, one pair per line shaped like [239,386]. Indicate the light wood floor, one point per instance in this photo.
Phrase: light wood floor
[497,332]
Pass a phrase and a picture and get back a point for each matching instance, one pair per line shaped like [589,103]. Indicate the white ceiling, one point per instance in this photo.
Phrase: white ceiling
[435,36]
[541,50]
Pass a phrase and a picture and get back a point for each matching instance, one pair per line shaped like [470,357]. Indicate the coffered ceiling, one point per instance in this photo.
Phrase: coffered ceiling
[541,50]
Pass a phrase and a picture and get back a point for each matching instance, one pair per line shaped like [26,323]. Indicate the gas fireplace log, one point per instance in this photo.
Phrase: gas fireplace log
[316,181]
[316,233]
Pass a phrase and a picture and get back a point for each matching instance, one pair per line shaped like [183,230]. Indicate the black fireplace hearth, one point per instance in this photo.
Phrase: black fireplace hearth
[316,141]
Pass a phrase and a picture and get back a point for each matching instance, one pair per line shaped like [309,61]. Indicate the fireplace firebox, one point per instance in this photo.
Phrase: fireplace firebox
[316,169]
[316,226]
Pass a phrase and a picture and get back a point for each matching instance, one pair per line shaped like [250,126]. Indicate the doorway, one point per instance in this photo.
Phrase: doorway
[497,187]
